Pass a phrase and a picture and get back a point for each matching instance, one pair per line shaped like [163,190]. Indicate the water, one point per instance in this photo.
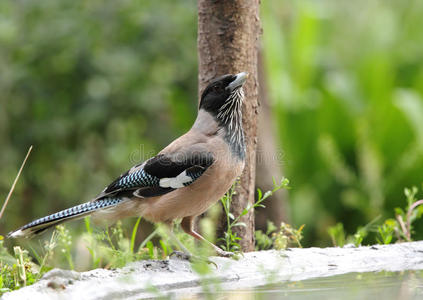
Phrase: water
[373,286]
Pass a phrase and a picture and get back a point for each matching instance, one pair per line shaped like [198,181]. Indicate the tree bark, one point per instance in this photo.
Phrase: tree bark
[269,159]
[228,34]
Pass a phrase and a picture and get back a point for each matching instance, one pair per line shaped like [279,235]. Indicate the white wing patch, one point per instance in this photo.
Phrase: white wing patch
[17,234]
[175,182]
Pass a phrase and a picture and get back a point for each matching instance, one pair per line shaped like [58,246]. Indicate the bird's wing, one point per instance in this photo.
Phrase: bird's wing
[163,173]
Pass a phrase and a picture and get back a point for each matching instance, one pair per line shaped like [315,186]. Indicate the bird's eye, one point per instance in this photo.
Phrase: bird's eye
[217,88]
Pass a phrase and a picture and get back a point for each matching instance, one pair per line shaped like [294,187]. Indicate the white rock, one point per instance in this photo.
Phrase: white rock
[253,269]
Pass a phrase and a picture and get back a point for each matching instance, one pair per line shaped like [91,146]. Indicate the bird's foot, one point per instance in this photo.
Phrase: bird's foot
[190,257]
[223,253]
[181,255]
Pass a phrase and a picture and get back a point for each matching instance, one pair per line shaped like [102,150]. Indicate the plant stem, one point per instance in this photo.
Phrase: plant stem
[410,211]
[148,238]
[14,182]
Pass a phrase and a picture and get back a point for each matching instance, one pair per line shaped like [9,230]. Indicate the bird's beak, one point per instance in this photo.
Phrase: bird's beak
[238,81]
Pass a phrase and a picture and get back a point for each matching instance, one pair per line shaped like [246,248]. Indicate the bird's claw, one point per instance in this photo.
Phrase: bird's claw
[181,255]
[191,258]
[223,253]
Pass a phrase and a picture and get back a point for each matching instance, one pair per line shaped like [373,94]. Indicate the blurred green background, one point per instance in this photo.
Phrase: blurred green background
[97,86]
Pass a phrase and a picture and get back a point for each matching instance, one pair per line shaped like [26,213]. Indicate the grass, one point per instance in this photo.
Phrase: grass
[398,229]
[110,248]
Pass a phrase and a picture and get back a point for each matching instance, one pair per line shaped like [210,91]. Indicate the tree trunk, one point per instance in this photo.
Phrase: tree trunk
[269,159]
[228,33]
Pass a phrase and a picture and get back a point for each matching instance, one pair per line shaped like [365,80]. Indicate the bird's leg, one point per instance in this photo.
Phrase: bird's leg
[186,254]
[187,225]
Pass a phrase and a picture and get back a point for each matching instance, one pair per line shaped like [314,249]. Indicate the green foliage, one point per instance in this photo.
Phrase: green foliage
[65,243]
[360,234]
[337,234]
[279,238]
[230,239]
[95,87]
[402,227]
[264,241]
[112,248]
[347,95]
[16,270]
[287,235]
[406,218]
[391,230]
[340,238]
[386,232]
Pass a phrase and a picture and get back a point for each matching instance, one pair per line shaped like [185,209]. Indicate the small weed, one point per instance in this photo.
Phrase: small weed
[264,240]
[337,234]
[279,238]
[340,238]
[288,236]
[230,239]
[359,236]
[401,228]
[386,232]
[65,242]
[391,230]
[16,270]
[116,249]
[405,218]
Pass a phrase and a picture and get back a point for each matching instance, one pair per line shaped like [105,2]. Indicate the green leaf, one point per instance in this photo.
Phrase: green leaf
[399,211]
[164,248]
[134,234]
[259,194]
[150,248]
[242,224]
[267,194]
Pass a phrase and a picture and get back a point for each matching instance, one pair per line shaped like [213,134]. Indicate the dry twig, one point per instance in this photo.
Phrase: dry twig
[14,183]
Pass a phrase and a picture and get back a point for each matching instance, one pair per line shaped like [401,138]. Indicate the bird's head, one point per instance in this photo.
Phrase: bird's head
[224,94]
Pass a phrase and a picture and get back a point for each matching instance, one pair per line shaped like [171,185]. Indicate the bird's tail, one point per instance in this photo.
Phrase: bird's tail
[75,212]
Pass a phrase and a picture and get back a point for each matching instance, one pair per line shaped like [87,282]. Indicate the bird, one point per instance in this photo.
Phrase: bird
[184,179]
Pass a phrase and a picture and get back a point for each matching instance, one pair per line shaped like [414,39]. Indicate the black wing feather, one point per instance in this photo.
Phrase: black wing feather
[165,165]
[144,180]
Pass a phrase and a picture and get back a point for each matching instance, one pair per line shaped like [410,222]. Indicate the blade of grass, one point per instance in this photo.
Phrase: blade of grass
[88,225]
[14,182]
[148,238]
[134,234]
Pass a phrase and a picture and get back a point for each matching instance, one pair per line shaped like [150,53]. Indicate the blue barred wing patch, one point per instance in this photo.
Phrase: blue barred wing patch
[194,174]
[136,179]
